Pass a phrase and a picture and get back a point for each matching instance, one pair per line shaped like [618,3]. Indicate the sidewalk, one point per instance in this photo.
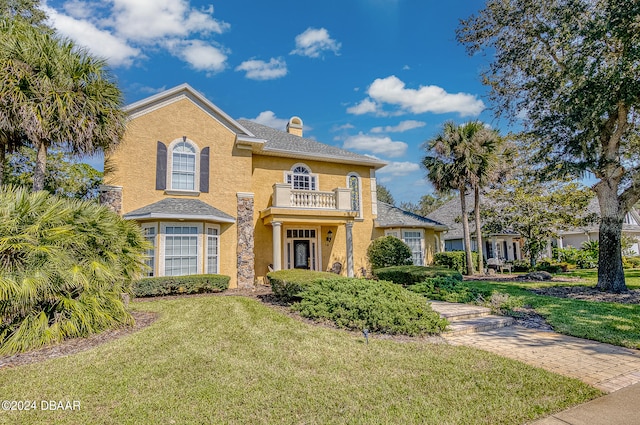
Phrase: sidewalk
[613,369]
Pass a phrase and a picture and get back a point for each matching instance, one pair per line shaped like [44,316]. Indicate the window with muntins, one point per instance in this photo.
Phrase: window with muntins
[212,250]
[414,240]
[150,236]
[353,182]
[183,167]
[301,178]
[181,250]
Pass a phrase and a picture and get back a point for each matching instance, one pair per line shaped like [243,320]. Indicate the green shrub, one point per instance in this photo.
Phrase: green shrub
[456,260]
[521,266]
[631,262]
[180,285]
[503,304]
[548,266]
[448,289]
[65,264]
[287,284]
[388,251]
[378,306]
[408,275]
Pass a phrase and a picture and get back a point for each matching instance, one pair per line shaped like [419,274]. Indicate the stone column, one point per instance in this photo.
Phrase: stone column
[111,197]
[349,227]
[277,245]
[245,250]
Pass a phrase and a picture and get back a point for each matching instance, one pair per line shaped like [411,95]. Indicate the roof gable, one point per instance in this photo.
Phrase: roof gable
[392,216]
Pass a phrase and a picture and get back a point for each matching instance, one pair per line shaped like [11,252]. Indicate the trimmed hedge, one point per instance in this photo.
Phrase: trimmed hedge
[378,306]
[287,284]
[179,285]
[448,289]
[456,260]
[408,275]
[387,251]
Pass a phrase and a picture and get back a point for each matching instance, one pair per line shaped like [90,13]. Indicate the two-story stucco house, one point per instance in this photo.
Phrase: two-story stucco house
[218,195]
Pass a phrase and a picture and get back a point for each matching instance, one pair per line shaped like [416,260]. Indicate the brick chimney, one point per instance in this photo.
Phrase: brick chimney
[294,126]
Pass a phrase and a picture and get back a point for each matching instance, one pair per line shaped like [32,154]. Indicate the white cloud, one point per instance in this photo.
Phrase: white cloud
[121,30]
[313,42]
[201,55]
[392,91]
[269,119]
[398,169]
[149,20]
[403,126]
[347,126]
[364,107]
[261,70]
[406,68]
[375,144]
[99,42]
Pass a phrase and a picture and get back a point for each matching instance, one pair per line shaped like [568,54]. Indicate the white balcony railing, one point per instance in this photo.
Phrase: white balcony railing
[285,196]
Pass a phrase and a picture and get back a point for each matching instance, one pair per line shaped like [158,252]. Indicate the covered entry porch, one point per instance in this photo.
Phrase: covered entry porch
[311,239]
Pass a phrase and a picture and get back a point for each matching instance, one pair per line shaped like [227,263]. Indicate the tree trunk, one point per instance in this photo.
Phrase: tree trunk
[465,230]
[476,207]
[3,159]
[610,271]
[40,168]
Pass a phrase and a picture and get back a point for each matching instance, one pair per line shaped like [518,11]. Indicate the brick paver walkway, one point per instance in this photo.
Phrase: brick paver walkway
[604,366]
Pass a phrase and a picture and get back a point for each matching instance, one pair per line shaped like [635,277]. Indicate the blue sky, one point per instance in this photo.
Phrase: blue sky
[378,77]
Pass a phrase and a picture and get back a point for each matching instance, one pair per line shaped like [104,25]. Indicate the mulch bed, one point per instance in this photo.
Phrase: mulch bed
[589,293]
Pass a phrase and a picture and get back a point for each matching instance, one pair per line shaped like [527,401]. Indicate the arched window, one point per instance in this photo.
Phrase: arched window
[183,167]
[353,183]
[300,178]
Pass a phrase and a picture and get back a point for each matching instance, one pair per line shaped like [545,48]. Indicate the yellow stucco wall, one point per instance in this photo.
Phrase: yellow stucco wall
[134,164]
[268,170]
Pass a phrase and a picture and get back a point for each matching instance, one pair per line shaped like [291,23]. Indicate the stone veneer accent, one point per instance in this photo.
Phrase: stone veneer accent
[111,197]
[246,256]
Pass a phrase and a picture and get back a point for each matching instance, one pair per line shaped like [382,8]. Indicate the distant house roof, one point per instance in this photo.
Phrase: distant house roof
[450,214]
[180,209]
[392,216]
[281,143]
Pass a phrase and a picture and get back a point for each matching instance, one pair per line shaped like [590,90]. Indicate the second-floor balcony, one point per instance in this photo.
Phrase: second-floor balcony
[284,196]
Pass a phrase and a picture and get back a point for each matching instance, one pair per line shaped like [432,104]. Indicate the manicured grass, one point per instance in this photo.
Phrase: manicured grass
[234,360]
[632,277]
[613,323]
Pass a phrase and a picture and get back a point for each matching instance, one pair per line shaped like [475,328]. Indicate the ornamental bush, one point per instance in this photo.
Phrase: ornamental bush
[65,264]
[378,306]
[287,284]
[388,251]
[408,275]
[448,289]
[456,260]
[180,285]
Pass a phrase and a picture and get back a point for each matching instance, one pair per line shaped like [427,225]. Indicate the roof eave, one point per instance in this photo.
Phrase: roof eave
[168,216]
[375,163]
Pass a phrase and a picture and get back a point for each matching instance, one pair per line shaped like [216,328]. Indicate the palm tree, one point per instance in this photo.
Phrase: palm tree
[56,94]
[450,168]
[464,157]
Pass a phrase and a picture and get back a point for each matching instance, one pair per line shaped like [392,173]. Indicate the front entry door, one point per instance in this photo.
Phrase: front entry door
[301,254]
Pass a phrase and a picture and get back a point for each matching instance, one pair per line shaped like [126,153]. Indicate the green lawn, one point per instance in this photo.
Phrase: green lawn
[232,360]
[613,323]
[632,277]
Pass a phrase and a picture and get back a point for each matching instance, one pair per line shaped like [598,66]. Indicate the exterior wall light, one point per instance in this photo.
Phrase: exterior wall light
[329,236]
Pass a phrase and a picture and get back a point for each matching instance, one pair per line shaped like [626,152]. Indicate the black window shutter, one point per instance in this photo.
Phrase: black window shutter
[161,167]
[204,170]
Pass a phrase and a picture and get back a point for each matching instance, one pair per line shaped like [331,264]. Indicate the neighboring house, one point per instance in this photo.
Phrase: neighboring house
[507,246]
[576,236]
[218,195]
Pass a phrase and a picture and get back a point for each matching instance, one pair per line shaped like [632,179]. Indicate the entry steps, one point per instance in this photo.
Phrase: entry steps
[465,318]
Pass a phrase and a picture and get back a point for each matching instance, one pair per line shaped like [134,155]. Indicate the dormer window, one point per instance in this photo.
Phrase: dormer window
[183,170]
[301,178]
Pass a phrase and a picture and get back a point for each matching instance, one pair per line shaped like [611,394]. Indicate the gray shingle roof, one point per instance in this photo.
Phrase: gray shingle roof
[391,216]
[180,208]
[283,143]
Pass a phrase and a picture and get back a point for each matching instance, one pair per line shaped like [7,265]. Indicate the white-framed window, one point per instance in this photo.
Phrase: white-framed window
[301,178]
[149,232]
[181,249]
[355,188]
[183,166]
[212,245]
[415,240]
